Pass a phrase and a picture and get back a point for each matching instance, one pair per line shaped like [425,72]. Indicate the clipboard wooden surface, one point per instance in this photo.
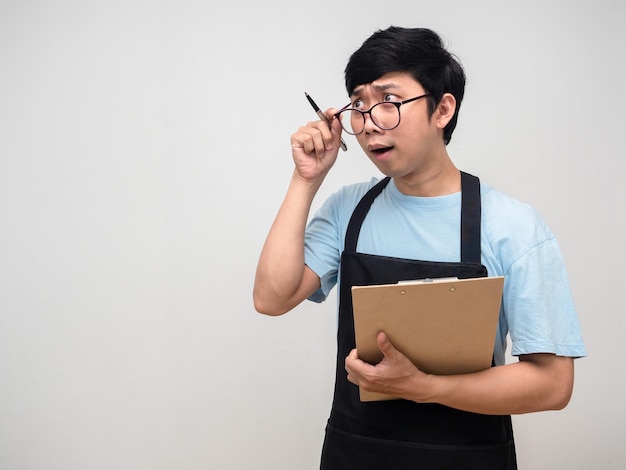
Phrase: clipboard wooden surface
[445,326]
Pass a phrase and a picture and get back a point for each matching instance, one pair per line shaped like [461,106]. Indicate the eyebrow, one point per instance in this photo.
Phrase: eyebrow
[377,87]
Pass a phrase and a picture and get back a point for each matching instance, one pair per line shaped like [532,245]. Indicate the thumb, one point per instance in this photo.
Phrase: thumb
[385,345]
[335,122]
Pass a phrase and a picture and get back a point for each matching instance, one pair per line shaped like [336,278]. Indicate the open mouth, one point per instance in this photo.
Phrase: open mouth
[381,150]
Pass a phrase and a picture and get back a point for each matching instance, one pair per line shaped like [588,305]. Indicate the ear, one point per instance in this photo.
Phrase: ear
[445,110]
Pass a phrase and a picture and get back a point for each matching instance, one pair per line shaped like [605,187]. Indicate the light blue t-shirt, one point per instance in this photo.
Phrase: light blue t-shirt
[537,307]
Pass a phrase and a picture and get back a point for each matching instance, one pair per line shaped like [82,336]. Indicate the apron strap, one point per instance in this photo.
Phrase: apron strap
[360,211]
[470,217]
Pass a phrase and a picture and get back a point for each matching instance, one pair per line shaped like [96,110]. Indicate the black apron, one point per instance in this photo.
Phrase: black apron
[402,434]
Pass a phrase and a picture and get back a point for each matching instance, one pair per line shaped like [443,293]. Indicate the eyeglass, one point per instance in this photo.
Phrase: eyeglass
[385,115]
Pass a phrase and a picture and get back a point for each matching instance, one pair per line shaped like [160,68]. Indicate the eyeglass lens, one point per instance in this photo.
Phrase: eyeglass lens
[384,115]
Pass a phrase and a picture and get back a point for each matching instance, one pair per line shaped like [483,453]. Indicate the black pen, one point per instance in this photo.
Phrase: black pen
[323,117]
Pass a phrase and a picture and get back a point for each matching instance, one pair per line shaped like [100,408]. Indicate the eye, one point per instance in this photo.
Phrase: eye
[357,104]
[390,97]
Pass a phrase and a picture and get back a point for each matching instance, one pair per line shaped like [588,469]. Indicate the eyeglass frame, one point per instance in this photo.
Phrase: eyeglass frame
[397,104]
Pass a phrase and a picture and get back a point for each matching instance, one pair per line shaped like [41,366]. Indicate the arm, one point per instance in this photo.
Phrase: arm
[282,279]
[537,382]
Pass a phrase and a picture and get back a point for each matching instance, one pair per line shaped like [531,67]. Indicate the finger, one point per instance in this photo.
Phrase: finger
[335,125]
[354,362]
[319,142]
[311,139]
[353,354]
[354,367]
[332,137]
[349,360]
[385,346]
[326,136]
[352,379]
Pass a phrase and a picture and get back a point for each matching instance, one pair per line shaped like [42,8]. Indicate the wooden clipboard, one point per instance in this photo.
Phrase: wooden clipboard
[445,326]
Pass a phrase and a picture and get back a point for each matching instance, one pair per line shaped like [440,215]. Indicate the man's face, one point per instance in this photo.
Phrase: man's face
[416,143]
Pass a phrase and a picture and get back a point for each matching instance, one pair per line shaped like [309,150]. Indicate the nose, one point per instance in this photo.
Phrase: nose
[369,126]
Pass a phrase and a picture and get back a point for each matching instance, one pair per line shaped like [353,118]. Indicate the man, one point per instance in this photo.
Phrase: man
[425,219]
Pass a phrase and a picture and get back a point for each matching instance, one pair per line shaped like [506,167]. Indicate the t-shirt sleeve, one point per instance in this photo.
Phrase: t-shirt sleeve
[538,303]
[322,252]
[325,232]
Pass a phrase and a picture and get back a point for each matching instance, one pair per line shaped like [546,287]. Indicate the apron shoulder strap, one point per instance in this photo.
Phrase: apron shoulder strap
[470,217]
[361,210]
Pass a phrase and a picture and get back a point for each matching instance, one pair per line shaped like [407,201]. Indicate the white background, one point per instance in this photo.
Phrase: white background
[144,151]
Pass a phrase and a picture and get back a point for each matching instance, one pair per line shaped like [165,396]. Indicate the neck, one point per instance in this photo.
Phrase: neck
[437,180]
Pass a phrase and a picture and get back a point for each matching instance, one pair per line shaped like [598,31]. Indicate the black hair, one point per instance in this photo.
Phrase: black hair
[417,51]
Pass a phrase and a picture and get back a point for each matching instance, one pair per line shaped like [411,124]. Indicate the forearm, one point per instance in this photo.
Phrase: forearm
[538,382]
[280,272]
